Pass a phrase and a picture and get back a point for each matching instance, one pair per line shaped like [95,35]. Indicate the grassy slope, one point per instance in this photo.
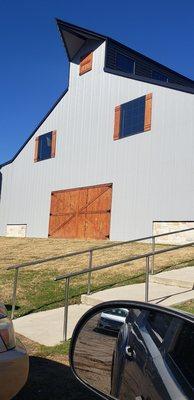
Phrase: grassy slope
[39,350]
[188,306]
[36,287]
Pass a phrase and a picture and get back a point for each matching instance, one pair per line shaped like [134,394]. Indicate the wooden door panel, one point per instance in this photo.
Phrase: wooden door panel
[97,226]
[102,200]
[61,230]
[81,213]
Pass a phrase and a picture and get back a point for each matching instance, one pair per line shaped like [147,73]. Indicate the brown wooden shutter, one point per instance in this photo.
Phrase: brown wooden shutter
[116,135]
[53,144]
[148,112]
[36,149]
[85,63]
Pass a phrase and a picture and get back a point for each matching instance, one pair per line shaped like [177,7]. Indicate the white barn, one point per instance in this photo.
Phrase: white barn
[113,158]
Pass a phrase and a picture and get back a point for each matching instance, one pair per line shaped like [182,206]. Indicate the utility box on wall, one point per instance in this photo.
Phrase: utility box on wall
[160,227]
[16,230]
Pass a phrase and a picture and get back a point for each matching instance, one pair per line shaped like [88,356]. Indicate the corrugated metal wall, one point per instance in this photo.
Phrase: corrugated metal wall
[152,172]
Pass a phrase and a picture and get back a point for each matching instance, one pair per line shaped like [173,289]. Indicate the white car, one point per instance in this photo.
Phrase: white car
[112,319]
[14,361]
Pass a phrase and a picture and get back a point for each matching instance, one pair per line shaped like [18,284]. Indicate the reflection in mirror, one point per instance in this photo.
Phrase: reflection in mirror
[136,353]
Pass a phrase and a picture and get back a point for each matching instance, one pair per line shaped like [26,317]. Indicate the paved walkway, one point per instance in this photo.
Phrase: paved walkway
[46,327]
[182,277]
[158,294]
[166,289]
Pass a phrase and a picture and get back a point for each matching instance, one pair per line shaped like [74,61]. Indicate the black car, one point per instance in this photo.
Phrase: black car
[153,356]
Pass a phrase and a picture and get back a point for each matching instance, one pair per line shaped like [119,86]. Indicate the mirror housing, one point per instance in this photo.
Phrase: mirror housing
[128,350]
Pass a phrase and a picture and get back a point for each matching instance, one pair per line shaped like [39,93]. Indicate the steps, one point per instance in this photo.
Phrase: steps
[182,277]
[167,288]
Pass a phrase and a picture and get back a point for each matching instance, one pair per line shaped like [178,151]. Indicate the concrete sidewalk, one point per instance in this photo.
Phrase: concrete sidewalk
[46,327]
[182,277]
[166,289]
[163,295]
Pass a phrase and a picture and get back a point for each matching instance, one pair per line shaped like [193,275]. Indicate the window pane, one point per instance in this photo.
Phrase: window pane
[44,148]
[132,117]
[183,352]
[159,76]
[159,323]
[124,63]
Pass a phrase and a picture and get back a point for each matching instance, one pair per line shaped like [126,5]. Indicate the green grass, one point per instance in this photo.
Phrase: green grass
[49,351]
[48,294]
[188,306]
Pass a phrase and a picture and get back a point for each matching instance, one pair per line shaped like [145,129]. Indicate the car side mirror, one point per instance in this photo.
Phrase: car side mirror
[135,351]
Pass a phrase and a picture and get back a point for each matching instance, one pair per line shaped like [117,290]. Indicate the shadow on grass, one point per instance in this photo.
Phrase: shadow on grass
[9,307]
[50,380]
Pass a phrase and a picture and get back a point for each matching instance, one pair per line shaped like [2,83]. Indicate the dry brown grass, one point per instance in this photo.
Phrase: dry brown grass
[16,251]
[37,279]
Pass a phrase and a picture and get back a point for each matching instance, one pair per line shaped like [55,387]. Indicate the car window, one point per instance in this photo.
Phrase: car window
[120,312]
[183,352]
[158,324]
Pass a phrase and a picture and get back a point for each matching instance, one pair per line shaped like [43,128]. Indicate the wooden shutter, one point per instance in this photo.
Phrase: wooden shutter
[116,135]
[53,144]
[148,112]
[36,149]
[85,63]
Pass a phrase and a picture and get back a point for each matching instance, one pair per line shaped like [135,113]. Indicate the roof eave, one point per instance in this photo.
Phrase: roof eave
[81,34]
[168,85]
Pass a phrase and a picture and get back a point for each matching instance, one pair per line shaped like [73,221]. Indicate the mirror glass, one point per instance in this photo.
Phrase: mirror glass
[136,354]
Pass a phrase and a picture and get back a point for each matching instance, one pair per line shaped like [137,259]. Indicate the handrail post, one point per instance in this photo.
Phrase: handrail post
[147,279]
[66,309]
[90,272]
[15,282]
[153,249]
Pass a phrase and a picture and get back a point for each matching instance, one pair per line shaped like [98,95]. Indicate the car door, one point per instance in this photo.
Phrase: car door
[179,355]
[143,369]
[162,382]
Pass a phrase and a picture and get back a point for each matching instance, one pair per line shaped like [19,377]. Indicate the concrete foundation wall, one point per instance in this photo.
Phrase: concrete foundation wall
[160,227]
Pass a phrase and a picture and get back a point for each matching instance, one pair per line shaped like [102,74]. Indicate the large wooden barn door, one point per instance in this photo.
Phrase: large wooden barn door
[81,213]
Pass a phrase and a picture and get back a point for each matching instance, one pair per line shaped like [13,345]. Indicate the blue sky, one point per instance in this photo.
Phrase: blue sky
[34,65]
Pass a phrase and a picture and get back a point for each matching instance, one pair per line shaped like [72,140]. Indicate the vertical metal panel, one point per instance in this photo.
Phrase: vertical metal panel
[152,172]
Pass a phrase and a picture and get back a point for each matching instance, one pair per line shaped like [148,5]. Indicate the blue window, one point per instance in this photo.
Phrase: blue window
[132,117]
[45,146]
[159,76]
[125,64]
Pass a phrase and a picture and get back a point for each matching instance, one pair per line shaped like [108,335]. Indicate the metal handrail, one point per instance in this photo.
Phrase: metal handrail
[90,251]
[89,271]
[96,248]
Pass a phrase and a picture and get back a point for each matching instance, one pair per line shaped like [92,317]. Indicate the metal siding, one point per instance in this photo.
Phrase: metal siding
[152,172]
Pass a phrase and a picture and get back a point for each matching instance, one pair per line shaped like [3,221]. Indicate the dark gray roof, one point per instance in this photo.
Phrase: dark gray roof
[74,37]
